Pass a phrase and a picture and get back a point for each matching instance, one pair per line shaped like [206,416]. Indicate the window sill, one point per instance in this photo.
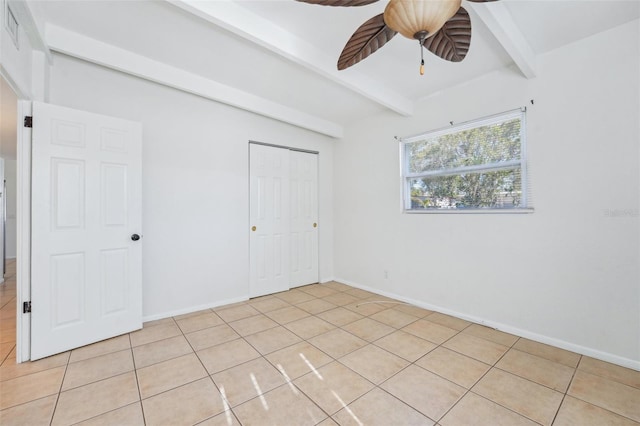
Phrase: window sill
[471,211]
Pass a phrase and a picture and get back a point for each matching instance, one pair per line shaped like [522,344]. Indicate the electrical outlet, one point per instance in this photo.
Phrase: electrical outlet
[386,275]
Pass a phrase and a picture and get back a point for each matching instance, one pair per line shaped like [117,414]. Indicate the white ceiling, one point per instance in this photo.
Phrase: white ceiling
[169,33]
[549,24]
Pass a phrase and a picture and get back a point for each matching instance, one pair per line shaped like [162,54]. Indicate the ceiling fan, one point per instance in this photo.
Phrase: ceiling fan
[441,26]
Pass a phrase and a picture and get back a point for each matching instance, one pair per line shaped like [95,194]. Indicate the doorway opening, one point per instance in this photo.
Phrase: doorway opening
[8,226]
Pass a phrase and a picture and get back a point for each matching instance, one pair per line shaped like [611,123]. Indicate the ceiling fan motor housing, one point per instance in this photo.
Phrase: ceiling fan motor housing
[412,17]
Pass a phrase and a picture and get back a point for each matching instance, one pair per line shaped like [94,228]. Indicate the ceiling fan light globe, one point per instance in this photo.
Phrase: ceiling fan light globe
[410,17]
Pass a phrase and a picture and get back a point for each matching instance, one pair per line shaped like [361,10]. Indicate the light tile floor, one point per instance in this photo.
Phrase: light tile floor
[321,354]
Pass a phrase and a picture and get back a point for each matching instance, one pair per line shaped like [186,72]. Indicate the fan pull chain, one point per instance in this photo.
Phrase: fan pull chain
[421,41]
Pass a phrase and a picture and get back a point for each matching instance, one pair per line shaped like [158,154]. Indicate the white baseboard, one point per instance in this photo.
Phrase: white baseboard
[194,309]
[206,306]
[562,344]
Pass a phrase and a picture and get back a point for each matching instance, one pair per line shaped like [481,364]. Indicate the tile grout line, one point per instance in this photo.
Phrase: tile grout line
[564,395]
[208,375]
[157,341]
[588,402]
[575,370]
[338,292]
[303,340]
[184,384]
[7,356]
[93,383]
[96,380]
[135,373]
[491,367]
[379,386]
[603,408]
[104,379]
[375,386]
[291,382]
[64,375]
[13,299]
[405,403]
[533,381]
[413,363]
[506,408]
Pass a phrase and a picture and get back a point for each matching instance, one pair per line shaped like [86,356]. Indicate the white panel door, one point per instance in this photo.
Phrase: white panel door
[86,219]
[304,218]
[269,220]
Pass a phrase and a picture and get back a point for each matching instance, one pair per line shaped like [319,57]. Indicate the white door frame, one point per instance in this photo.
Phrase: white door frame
[23,213]
[290,148]
[23,233]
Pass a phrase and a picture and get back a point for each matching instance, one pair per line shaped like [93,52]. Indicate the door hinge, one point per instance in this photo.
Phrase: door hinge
[28,121]
[26,307]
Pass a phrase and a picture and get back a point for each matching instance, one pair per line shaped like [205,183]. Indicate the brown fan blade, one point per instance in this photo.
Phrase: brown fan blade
[371,36]
[452,41]
[345,3]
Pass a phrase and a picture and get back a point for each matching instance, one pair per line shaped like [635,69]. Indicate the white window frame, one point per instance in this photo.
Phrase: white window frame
[514,164]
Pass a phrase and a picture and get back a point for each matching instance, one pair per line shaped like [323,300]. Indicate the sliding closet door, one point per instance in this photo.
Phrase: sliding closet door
[269,220]
[283,192]
[304,218]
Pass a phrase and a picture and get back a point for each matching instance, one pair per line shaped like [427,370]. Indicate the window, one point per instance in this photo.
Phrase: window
[479,165]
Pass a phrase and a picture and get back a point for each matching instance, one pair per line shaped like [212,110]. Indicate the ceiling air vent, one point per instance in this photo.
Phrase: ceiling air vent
[11,24]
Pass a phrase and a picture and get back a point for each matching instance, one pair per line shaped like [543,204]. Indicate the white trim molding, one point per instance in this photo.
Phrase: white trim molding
[242,22]
[23,234]
[583,350]
[92,50]
[194,309]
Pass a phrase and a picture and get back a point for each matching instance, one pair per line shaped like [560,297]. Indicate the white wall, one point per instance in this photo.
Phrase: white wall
[567,274]
[195,183]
